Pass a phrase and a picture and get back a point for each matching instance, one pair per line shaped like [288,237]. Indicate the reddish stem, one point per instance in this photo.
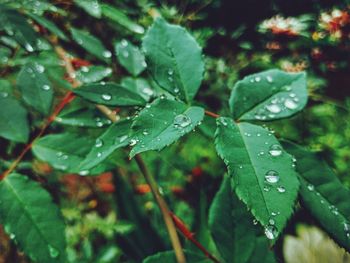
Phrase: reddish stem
[211,114]
[180,225]
[68,98]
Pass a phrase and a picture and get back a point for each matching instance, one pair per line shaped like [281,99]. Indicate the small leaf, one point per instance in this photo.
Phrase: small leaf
[14,124]
[323,194]
[91,44]
[31,219]
[231,225]
[169,257]
[162,123]
[120,18]
[269,95]
[116,136]
[262,171]
[65,152]
[174,59]
[49,25]
[109,94]
[93,74]
[130,57]
[138,85]
[92,7]
[35,87]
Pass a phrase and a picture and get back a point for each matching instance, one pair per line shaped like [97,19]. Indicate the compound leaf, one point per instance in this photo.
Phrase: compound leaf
[31,218]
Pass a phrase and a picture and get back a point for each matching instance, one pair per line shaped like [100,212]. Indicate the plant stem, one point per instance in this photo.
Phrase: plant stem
[174,238]
[211,114]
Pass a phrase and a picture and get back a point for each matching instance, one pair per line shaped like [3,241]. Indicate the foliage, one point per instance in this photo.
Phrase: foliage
[87,86]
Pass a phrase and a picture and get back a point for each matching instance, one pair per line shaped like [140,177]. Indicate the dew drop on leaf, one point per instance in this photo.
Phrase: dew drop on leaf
[54,253]
[107,54]
[98,143]
[84,172]
[106,97]
[311,187]
[272,177]
[290,104]
[270,232]
[182,121]
[273,108]
[275,150]
[46,87]
[281,189]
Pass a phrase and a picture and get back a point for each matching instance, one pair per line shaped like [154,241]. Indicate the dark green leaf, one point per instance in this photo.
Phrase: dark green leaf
[91,44]
[49,25]
[120,18]
[31,219]
[263,175]
[323,194]
[231,225]
[269,95]
[13,119]
[169,257]
[92,7]
[138,85]
[109,94]
[130,57]
[162,123]
[35,87]
[174,59]
[93,73]
[116,136]
[262,252]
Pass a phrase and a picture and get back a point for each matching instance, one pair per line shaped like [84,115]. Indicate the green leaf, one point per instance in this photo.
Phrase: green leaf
[323,194]
[262,252]
[174,59]
[231,225]
[49,25]
[65,152]
[35,87]
[139,86]
[31,219]
[17,26]
[120,18]
[91,44]
[169,257]
[109,94]
[93,73]
[162,123]
[269,95]
[14,124]
[92,7]
[116,136]
[262,172]
[130,57]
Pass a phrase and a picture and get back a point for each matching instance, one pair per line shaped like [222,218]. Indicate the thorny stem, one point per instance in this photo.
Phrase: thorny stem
[175,241]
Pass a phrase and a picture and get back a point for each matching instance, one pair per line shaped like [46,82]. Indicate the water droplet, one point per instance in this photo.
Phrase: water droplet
[124,43]
[347,229]
[223,121]
[281,189]
[148,91]
[46,87]
[271,221]
[29,47]
[311,187]
[273,214]
[257,79]
[273,108]
[272,177]
[12,236]
[240,167]
[84,172]
[287,88]
[145,132]
[106,96]
[170,72]
[255,222]
[176,90]
[266,188]
[269,79]
[4,94]
[290,104]
[144,64]
[107,54]
[99,154]
[99,123]
[123,138]
[84,69]
[132,142]
[39,68]
[270,232]
[54,253]
[292,95]
[98,143]
[182,121]
[275,150]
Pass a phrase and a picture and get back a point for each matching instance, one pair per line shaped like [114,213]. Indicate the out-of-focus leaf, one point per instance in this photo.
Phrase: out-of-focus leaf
[323,194]
[120,18]
[31,219]
[110,94]
[93,74]
[13,118]
[162,123]
[91,44]
[269,95]
[130,57]
[138,85]
[116,136]
[35,87]
[92,7]
[262,172]
[49,25]
[174,59]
